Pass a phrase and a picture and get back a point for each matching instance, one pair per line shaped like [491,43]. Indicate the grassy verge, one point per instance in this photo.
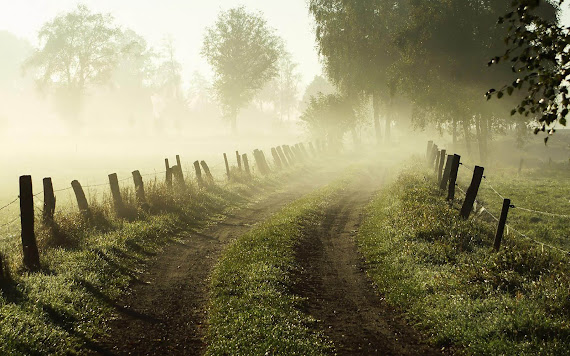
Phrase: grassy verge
[442,272]
[87,264]
[253,311]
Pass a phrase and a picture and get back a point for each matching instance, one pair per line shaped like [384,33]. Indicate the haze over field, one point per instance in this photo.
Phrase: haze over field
[159,98]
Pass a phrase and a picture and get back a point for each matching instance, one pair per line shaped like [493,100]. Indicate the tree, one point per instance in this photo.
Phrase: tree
[244,54]
[538,55]
[77,50]
[329,117]
[319,84]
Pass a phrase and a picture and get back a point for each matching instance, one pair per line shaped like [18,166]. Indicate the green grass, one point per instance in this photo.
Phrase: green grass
[546,189]
[87,264]
[253,311]
[442,272]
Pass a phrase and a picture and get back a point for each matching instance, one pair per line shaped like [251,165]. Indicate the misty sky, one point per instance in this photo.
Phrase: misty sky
[184,20]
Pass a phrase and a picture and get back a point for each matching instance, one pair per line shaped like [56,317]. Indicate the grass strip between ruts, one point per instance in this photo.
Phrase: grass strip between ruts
[253,311]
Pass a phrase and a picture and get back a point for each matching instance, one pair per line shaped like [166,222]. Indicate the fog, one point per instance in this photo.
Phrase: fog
[160,95]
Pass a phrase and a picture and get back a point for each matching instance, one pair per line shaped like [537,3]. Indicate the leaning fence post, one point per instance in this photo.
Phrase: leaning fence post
[49,201]
[207,171]
[227,166]
[502,222]
[437,158]
[30,248]
[116,193]
[238,158]
[440,167]
[80,196]
[433,155]
[264,161]
[453,176]
[198,173]
[168,173]
[472,191]
[259,161]
[276,158]
[139,188]
[246,164]
[282,156]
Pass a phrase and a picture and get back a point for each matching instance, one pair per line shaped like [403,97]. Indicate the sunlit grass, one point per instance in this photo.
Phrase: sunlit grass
[443,273]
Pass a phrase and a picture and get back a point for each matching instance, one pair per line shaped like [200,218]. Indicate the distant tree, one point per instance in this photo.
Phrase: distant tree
[538,55]
[77,50]
[244,54]
[282,90]
[319,84]
[14,51]
[329,116]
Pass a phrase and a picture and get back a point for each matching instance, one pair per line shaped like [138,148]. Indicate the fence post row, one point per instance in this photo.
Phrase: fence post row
[453,176]
[30,248]
[246,164]
[49,201]
[471,193]
[502,222]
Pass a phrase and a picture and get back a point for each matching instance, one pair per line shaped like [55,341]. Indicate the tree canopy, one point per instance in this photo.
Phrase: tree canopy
[244,52]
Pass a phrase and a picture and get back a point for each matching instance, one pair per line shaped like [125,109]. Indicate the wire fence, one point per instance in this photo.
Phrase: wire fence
[509,227]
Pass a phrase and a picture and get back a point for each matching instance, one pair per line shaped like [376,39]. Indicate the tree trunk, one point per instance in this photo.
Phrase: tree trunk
[376,107]
[481,125]
[467,135]
[454,133]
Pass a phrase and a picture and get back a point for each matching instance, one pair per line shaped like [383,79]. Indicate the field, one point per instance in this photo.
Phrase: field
[351,253]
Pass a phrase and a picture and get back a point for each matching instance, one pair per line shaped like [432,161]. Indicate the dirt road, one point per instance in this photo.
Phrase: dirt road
[165,314]
[338,292]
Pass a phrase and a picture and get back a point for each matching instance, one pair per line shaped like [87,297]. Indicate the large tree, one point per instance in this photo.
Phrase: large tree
[77,50]
[244,52]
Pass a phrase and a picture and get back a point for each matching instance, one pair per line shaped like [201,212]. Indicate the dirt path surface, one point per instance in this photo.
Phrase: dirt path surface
[165,315]
[339,293]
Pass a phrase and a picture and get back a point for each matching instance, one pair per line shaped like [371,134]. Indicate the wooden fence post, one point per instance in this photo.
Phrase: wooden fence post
[288,154]
[304,150]
[521,165]
[437,157]
[246,164]
[441,162]
[198,174]
[259,162]
[206,169]
[116,193]
[502,222]
[471,193]
[264,161]
[80,196]
[179,172]
[429,151]
[282,156]
[445,178]
[453,177]
[433,155]
[276,158]
[30,248]
[49,201]
[238,157]
[139,189]
[227,166]
[168,173]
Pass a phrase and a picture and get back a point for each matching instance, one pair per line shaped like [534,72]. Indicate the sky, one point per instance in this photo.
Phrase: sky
[184,20]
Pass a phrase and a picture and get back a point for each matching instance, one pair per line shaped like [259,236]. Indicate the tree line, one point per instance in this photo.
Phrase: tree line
[434,55]
[80,51]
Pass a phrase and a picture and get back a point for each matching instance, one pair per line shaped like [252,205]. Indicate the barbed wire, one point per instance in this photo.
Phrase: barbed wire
[10,203]
[10,222]
[541,212]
